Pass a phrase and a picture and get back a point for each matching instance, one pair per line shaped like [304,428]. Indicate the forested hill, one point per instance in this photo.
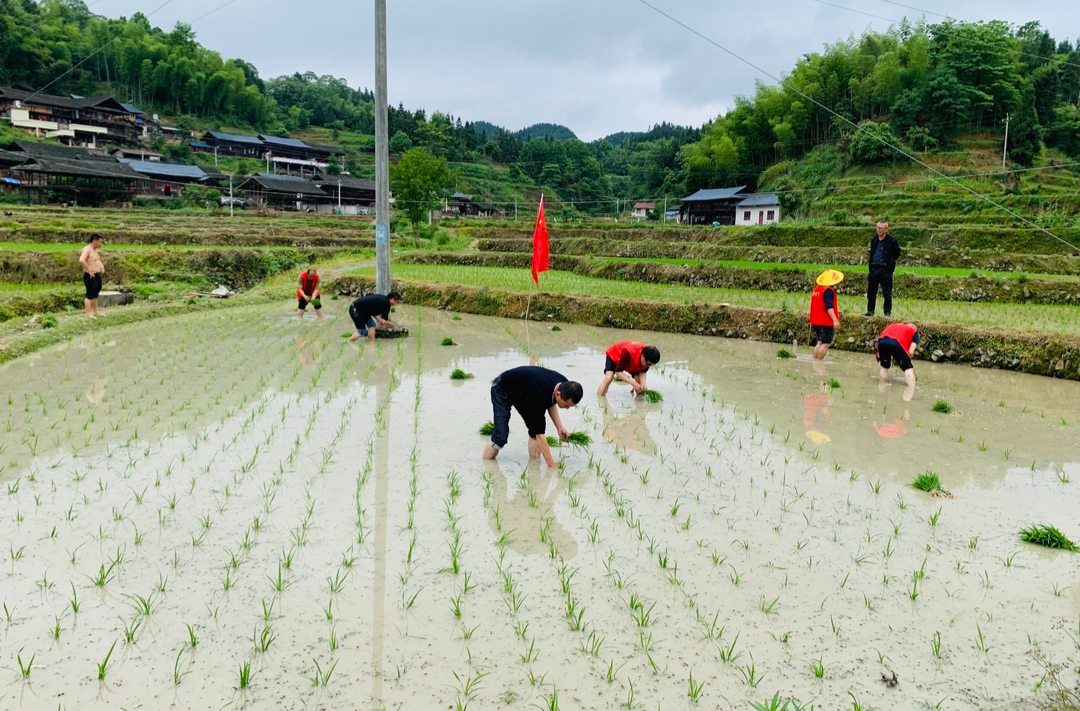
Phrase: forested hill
[920,86]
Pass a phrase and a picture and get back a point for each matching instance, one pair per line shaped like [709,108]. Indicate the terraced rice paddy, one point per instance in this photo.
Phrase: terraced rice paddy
[1021,317]
[231,508]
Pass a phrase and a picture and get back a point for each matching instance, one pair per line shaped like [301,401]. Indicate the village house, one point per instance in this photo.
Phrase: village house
[74,120]
[137,154]
[642,210]
[164,179]
[288,155]
[54,173]
[461,205]
[348,195]
[283,192]
[729,206]
[236,145]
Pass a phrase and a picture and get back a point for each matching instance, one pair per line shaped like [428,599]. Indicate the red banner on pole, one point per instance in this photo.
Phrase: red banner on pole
[540,245]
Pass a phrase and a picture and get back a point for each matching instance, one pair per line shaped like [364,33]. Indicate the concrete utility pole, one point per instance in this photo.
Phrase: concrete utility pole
[230,196]
[382,157]
[1005,148]
[339,197]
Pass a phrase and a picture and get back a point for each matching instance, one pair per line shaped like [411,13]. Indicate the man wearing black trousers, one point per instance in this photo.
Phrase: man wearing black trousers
[884,251]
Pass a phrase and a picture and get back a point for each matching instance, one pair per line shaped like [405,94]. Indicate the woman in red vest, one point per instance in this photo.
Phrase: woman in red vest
[898,343]
[308,291]
[825,311]
[630,361]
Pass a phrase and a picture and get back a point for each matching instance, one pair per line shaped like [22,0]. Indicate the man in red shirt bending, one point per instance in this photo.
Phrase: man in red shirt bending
[308,291]
[630,361]
[898,343]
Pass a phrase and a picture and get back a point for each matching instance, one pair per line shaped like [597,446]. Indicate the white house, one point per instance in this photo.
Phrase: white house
[642,210]
[757,209]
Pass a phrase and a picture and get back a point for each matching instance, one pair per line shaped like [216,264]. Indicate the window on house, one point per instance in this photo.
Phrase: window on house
[771,215]
[746,216]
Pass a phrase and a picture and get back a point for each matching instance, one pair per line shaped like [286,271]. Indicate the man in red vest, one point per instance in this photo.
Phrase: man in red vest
[308,291]
[898,343]
[825,311]
[630,361]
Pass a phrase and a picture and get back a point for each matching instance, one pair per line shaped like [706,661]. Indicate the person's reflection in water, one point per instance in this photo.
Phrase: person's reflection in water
[817,405]
[627,429]
[313,352]
[516,514]
[95,393]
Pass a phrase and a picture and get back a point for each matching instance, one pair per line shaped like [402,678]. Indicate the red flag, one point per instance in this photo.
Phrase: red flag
[540,245]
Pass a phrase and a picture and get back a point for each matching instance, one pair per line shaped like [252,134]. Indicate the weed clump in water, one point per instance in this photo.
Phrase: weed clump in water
[784,353]
[1048,536]
[447,341]
[487,429]
[942,406]
[459,374]
[930,482]
[579,439]
[652,396]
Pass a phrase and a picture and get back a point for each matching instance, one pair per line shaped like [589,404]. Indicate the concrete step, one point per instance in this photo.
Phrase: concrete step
[107,299]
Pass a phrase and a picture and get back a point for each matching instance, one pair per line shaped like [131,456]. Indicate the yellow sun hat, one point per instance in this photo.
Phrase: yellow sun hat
[830,277]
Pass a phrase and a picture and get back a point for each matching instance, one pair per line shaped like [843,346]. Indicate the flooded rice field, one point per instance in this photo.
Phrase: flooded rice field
[232,508]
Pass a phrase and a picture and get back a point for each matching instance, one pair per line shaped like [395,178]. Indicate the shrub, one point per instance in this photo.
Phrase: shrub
[868,145]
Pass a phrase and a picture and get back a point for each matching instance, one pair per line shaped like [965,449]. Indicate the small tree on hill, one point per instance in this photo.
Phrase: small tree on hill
[420,182]
[869,144]
[400,142]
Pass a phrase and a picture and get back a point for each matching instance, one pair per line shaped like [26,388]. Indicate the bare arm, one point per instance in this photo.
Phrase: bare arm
[545,450]
[835,317]
[83,258]
[553,413]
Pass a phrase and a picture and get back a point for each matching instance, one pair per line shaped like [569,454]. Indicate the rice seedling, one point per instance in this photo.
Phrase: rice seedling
[103,667]
[244,676]
[25,669]
[935,644]
[1046,535]
[942,406]
[929,482]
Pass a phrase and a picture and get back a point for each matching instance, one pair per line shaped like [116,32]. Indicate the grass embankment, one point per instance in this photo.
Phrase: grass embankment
[914,260]
[1052,354]
[789,279]
[33,282]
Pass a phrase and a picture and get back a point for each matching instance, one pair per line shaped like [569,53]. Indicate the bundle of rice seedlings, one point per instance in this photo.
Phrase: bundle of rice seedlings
[834,383]
[579,439]
[556,328]
[942,406]
[930,482]
[652,396]
[448,341]
[487,429]
[1048,536]
[784,353]
[552,441]
[459,374]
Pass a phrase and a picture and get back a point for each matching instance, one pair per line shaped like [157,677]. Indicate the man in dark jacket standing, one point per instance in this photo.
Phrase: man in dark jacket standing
[884,251]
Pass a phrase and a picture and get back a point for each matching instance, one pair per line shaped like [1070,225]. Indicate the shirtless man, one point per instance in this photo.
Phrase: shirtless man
[92,271]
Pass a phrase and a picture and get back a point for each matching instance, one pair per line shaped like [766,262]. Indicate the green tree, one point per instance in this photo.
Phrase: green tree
[420,182]
[400,142]
[1025,133]
[868,145]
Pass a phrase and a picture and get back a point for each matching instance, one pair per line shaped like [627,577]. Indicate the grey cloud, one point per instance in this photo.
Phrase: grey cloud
[597,66]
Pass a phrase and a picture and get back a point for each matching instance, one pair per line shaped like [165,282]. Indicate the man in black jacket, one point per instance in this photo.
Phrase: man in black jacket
[884,251]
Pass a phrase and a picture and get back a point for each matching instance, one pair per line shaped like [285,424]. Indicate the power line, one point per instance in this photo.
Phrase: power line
[854,125]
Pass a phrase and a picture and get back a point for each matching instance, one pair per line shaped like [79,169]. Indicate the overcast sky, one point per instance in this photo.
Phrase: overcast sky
[597,66]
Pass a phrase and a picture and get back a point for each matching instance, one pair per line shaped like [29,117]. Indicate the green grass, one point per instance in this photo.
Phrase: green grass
[1039,318]
[847,268]
[1048,536]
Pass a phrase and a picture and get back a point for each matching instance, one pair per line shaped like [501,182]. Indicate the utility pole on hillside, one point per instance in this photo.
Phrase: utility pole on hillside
[382,157]
[230,196]
[1005,148]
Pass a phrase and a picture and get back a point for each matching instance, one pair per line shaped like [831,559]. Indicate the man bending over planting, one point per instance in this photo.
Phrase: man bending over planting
[630,361]
[898,343]
[532,391]
[308,292]
[367,310]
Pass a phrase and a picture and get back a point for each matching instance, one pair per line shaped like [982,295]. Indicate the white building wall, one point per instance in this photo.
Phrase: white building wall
[758,214]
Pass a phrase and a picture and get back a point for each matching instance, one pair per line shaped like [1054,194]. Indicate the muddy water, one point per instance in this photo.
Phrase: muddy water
[305,507]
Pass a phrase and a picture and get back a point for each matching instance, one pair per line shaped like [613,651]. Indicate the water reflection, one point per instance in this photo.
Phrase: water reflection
[627,428]
[525,506]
